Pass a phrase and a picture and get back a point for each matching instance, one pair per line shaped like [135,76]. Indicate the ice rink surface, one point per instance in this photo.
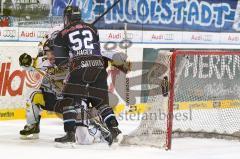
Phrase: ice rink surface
[12,147]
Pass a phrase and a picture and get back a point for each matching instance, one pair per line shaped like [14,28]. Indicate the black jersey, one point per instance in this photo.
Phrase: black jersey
[79,42]
[76,40]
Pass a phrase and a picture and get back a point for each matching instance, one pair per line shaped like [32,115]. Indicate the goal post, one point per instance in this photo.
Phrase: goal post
[202,99]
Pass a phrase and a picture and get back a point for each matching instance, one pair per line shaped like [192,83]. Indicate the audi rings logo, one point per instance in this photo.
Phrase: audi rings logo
[41,34]
[9,33]
[130,36]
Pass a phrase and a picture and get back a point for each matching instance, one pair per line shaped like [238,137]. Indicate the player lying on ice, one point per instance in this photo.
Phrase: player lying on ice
[78,45]
[48,97]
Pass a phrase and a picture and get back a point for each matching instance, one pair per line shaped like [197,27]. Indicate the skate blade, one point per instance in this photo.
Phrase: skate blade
[29,137]
[68,145]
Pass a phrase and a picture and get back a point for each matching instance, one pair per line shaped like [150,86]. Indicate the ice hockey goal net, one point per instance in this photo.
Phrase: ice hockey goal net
[198,97]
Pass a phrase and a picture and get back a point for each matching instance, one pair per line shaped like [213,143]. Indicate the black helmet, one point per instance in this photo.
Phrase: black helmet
[25,60]
[71,13]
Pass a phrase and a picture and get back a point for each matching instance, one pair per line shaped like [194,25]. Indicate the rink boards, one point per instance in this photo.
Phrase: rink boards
[13,78]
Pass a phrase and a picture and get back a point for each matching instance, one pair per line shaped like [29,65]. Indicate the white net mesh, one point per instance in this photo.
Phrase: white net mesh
[208,95]
[152,130]
[206,98]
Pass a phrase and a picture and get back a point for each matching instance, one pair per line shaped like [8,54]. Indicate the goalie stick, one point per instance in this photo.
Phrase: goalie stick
[127,78]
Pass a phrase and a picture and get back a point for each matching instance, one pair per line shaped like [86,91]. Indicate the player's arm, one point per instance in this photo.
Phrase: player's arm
[27,62]
[60,50]
[118,59]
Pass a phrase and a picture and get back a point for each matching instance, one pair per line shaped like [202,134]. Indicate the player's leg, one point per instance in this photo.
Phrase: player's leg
[109,118]
[69,110]
[69,119]
[83,137]
[75,122]
[89,130]
[51,102]
[101,132]
[33,110]
[100,100]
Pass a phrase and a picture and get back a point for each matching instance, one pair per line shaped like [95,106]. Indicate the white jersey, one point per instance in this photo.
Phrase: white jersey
[35,76]
[88,136]
[47,84]
[43,64]
[34,79]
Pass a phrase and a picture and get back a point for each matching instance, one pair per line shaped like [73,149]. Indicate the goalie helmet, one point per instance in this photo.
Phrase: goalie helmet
[25,60]
[71,14]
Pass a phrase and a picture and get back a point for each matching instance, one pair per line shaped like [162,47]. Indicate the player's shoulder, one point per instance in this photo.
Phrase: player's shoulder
[66,29]
[84,25]
[39,61]
[90,25]
[61,31]
[77,25]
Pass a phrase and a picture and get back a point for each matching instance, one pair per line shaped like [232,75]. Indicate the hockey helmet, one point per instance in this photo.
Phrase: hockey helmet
[71,13]
[25,60]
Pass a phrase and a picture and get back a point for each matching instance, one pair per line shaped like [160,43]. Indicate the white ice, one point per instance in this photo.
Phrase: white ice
[13,148]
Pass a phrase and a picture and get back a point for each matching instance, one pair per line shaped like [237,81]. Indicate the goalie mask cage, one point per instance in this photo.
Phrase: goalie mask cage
[203,98]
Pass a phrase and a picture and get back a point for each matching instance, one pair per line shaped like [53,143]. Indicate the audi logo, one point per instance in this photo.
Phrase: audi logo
[41,34]
[9,33]
[207,38]
[169,37]
[130,35]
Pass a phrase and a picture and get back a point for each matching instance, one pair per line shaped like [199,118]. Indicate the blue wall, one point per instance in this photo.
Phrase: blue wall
[183,15]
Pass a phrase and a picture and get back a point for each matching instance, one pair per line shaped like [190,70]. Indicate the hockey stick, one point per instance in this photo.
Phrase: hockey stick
[114,4]
[127,78]
[69,2]
[96,20]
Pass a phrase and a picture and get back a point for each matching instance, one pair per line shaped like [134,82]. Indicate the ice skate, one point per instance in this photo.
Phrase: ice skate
[30,132]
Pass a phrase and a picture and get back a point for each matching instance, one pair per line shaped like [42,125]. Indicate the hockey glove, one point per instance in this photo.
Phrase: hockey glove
[25,60]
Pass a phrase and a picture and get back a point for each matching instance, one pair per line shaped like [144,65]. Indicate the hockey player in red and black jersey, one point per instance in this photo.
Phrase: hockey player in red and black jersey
[78,46]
